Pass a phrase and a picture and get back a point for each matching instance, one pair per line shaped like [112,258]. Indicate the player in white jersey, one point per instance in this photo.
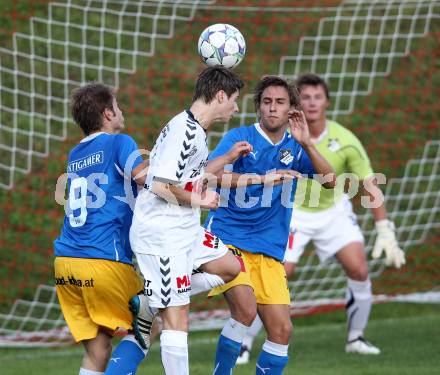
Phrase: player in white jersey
[166,235]
[330,222]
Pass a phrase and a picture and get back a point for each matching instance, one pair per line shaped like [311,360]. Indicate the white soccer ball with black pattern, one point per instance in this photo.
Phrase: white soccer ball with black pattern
[221,44]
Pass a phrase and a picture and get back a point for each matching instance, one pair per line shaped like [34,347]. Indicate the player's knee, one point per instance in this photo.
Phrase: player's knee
[98,356]
[245,314]
[280,332]
[244,311]
[359,274]
[232,271]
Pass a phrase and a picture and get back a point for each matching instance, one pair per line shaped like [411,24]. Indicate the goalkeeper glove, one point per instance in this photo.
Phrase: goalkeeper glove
[386,240]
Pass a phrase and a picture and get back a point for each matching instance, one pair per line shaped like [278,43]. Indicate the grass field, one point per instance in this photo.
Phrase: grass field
[408,334]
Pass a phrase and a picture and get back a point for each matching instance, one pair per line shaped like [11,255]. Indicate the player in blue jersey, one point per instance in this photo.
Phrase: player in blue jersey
[329,221]
[255,223]
[94,274]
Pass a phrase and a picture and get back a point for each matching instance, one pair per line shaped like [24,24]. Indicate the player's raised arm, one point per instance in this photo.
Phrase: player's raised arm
[300,131]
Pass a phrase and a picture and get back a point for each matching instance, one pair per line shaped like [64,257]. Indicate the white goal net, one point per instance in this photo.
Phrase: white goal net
[356,44]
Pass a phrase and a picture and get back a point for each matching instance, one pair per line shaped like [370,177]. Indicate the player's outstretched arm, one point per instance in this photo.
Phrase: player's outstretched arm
[238,149]
[300,131]
[233,180]
[139,174]
[181,197]
[386,240]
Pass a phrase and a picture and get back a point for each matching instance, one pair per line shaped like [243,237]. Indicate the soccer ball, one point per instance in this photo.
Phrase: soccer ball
[221,44]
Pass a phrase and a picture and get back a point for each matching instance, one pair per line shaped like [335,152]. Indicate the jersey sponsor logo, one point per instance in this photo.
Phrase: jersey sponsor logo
[333,144]
[198,170]
[286,156]
[211,240]
[165,131]
[85,162]
[193,151]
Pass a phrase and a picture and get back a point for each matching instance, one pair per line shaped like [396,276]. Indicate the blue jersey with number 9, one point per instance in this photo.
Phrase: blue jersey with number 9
[100,192]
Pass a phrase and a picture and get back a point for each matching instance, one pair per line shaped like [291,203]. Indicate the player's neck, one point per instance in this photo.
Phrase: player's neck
[316,128]
[202,113]
[275,136]
[106,127]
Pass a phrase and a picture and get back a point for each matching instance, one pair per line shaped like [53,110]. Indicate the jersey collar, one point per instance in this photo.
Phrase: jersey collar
[265,136]
[322,135]
[91,136]
[191,116]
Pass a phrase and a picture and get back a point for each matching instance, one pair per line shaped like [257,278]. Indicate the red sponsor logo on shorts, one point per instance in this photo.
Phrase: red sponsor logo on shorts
[183,282]
[210,241]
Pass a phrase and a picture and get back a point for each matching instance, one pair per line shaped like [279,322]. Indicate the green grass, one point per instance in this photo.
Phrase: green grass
[408,334]
[394,122]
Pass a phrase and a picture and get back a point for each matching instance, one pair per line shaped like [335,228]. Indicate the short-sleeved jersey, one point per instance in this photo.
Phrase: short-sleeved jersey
[178,157]
[256,218]
[343,150]
[98,215]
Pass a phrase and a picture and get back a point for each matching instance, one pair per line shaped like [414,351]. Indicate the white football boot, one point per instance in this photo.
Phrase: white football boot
[361,346]
[243,358]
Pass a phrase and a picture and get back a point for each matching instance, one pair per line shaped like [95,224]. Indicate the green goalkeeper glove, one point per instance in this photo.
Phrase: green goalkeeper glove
[386,241]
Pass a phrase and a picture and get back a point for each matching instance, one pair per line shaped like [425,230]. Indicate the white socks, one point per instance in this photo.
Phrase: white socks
[203,281]
[234,330]
[253,331]
[359,299]
[279,350]
[83,371]
[174,352]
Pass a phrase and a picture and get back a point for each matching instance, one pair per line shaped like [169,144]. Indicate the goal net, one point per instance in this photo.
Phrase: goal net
[380,58]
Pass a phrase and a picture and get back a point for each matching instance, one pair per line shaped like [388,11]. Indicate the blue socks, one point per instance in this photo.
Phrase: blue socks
[126,357]
[273,358]
[228,347]
[226,355]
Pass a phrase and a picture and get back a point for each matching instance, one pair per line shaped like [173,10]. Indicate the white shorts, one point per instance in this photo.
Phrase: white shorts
[330,230]
[168,278]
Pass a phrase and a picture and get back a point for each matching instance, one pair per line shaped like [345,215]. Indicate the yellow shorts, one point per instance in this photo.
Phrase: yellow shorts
[264,274]
[94,293]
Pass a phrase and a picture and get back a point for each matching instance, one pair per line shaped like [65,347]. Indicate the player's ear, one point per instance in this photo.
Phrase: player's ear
[220,96]
[107,114]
